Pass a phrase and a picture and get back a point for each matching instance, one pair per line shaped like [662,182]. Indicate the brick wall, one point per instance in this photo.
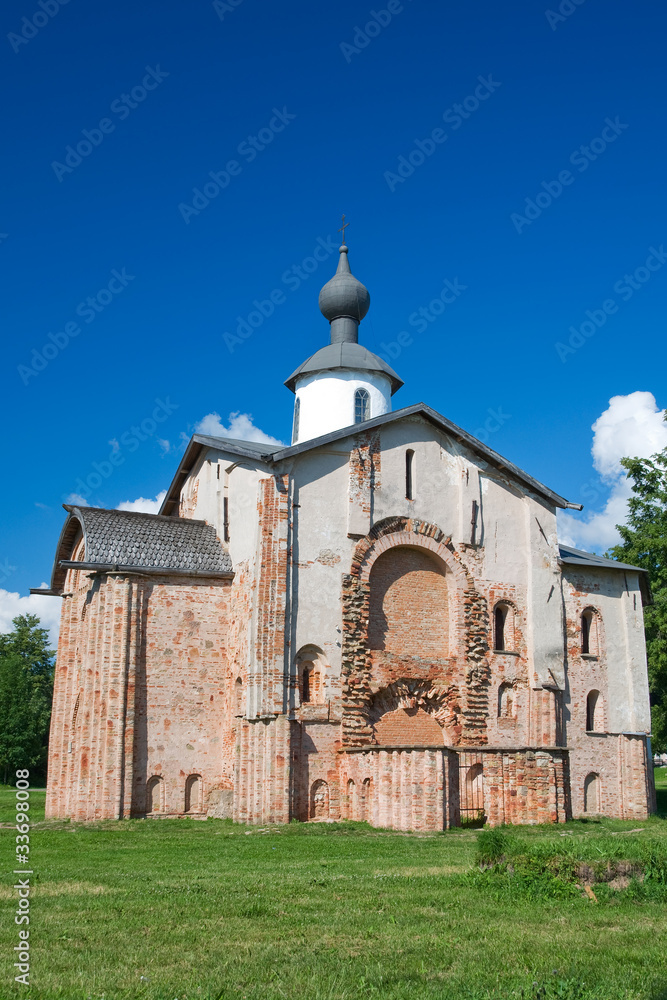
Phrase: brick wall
[267,693]
[408,611]
[140,691]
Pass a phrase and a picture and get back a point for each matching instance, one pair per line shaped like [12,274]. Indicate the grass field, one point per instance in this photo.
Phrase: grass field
[205,910]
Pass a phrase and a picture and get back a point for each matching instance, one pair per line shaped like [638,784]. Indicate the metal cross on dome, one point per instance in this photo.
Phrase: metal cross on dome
[343,228]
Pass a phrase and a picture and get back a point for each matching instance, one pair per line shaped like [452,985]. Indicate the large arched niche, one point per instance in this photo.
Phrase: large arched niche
[408,603]
[415,713]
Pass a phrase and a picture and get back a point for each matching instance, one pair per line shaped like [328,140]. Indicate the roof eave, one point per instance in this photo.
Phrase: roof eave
[143,570]
[396,382]
[196,445]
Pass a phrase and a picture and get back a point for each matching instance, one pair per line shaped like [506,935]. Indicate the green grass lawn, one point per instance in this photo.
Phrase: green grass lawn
[206,910]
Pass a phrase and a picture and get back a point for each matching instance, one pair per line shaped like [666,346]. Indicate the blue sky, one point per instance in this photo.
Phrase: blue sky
[163,95]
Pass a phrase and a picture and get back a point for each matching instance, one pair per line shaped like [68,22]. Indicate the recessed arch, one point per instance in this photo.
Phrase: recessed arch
[371,548]
[590,627]
[352,803]
[319,800]
[155,794]
[506,706]
[366,800]
[592,793]
[193,793]
[505,627]
[440,704]
[311,674]
[238,696]
[594,712]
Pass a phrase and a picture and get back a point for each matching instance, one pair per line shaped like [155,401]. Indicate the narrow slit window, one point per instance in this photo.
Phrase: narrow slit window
[306,686]
[295,425]
[499,616]
[362,406]
[409,474]
[585,634]
[225,519]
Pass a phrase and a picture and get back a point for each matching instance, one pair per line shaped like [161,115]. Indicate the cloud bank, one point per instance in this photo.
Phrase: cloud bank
[632,426]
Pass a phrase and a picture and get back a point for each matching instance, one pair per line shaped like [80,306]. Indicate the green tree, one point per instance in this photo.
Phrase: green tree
[645,544]
[26,689]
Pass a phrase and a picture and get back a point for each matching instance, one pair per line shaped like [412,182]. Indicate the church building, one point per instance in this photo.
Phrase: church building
[376,622]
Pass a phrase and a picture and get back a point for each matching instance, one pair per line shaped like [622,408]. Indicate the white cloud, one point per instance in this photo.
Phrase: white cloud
[632,426]
[143,505]
[241,428]
[47,610]
[76,500]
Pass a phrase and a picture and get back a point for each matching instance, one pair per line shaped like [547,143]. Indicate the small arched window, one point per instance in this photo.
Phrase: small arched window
[505,701]
[362,406]
[295,424]
[590,632]
[594,712]
[504,638]
[409,474]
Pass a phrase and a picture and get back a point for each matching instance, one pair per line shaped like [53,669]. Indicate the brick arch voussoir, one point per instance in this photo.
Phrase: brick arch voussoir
[401,532]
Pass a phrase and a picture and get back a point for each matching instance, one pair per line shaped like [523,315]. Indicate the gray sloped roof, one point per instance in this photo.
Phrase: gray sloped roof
[130,540]
[577,557]
[248,449]
[570,556]
[344,355]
